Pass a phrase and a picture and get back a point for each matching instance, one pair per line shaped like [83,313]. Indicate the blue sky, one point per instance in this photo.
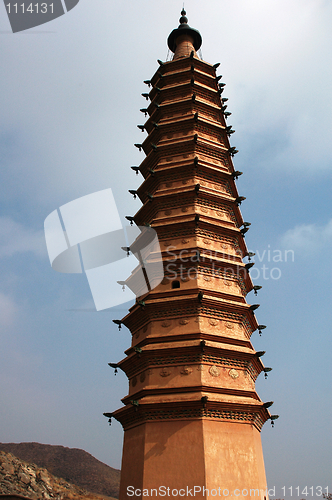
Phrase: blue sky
[69,106]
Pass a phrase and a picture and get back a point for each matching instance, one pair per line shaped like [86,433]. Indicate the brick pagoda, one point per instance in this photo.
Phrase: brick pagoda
[192,416]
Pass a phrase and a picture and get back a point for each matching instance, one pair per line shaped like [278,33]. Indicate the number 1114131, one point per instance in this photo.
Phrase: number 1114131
[31,8]
[317,491]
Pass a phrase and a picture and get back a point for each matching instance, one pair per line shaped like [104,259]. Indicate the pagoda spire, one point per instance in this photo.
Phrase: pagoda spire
[184,40]
[192,416]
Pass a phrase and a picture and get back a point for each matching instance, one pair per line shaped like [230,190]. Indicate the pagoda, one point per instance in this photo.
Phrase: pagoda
[192,418]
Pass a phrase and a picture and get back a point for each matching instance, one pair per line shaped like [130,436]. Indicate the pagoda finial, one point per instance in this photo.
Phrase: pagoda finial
[184,29]
[183,19]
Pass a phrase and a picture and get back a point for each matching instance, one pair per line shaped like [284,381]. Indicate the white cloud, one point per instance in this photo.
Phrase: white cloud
[308,239]
[8,311]
[277,71]
[15,238]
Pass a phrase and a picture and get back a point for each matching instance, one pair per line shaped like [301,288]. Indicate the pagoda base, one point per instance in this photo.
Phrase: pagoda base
[202,458]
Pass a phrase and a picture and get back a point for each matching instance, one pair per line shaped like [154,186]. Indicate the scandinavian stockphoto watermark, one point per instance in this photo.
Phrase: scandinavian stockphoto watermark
[186,491]
[121,263]
[201,491]
[24,14]
[268,262]
[182,263]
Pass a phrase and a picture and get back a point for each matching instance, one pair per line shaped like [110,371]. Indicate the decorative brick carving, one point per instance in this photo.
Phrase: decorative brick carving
[233,373]
[214,371]
[186,370]
[224,215]
[186,413]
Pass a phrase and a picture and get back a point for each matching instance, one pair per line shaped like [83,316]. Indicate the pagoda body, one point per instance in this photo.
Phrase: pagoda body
[192,417]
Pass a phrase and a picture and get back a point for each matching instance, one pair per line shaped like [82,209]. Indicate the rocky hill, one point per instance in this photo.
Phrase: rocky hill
[26,480]
[73,465]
